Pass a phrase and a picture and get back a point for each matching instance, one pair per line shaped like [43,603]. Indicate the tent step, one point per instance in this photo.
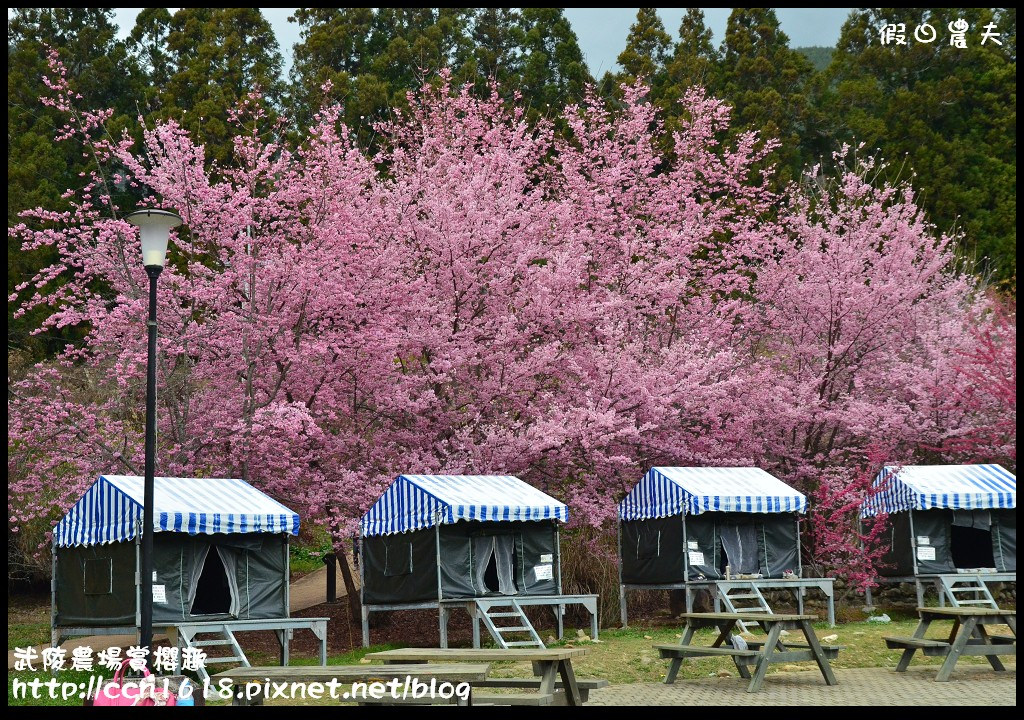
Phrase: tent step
[232,659]
[974,602]
[210,643]
[753,608]
[748,596]
[484,608]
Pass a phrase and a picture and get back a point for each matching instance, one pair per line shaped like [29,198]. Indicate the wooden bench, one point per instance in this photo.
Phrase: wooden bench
[928,647]
[831,651]
[558,697]
[687,651]
[536,699]
[251,684]
[555,684]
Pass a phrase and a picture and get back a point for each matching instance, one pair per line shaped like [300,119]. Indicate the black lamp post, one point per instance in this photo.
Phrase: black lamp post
[155,229]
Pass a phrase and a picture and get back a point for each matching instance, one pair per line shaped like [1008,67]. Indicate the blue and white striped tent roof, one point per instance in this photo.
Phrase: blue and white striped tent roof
[951,487]
[413,502]
[111,510]
[666,491]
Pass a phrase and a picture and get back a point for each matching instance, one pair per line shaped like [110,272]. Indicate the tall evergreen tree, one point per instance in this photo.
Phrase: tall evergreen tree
[373,57]
[951,112]
[148,44]
[766,83]
[694,62]
[647,50]
[39,169]
[212,59]
[497,36]
[554,73]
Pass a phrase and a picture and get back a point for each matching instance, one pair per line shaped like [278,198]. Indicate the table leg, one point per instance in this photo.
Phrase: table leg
[908,654]
[548,674]
[819,654]
[1011,622]
[763,660]
[982,632]
[957,647]
[725,629]
[675,663]
[569,685]
[954,631]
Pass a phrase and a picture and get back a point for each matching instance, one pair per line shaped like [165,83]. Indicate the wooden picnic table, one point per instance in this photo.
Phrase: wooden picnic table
[969,636]
[557,681]
[344,675]
[759,654]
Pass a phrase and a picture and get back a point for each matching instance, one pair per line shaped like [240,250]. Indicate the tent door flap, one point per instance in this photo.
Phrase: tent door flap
[213,589]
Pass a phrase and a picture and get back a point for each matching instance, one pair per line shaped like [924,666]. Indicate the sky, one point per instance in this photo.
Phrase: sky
[601,31]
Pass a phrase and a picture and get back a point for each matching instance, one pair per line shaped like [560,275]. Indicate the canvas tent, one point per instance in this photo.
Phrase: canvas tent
[485,543]
[220,552]
[946,519]
[682,524]
[434,537]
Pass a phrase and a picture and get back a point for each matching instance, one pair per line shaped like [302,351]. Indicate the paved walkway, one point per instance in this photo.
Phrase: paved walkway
[971,685]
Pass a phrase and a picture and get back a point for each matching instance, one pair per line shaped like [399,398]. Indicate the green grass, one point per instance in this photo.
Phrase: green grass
[72,683]
[25,634]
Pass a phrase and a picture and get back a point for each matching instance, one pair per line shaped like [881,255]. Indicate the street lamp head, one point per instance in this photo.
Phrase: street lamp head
[155,228]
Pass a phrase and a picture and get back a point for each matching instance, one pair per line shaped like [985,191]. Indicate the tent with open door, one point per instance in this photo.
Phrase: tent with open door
[443,537]
[946,519]
[683,524]
[220,551]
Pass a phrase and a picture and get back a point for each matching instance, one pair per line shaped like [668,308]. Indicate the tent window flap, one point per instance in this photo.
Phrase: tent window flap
[98,576]
[397,557]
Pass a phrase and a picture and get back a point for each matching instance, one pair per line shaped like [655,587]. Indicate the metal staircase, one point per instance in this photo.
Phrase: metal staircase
[222,636]
[954,587]
[744,591]
[520,624]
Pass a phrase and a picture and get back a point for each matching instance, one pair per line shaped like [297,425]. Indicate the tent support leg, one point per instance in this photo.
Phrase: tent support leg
[282,637]
[920,592]
[442,615]
[476,624]
[560,611]
[623,613]
[366,626]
